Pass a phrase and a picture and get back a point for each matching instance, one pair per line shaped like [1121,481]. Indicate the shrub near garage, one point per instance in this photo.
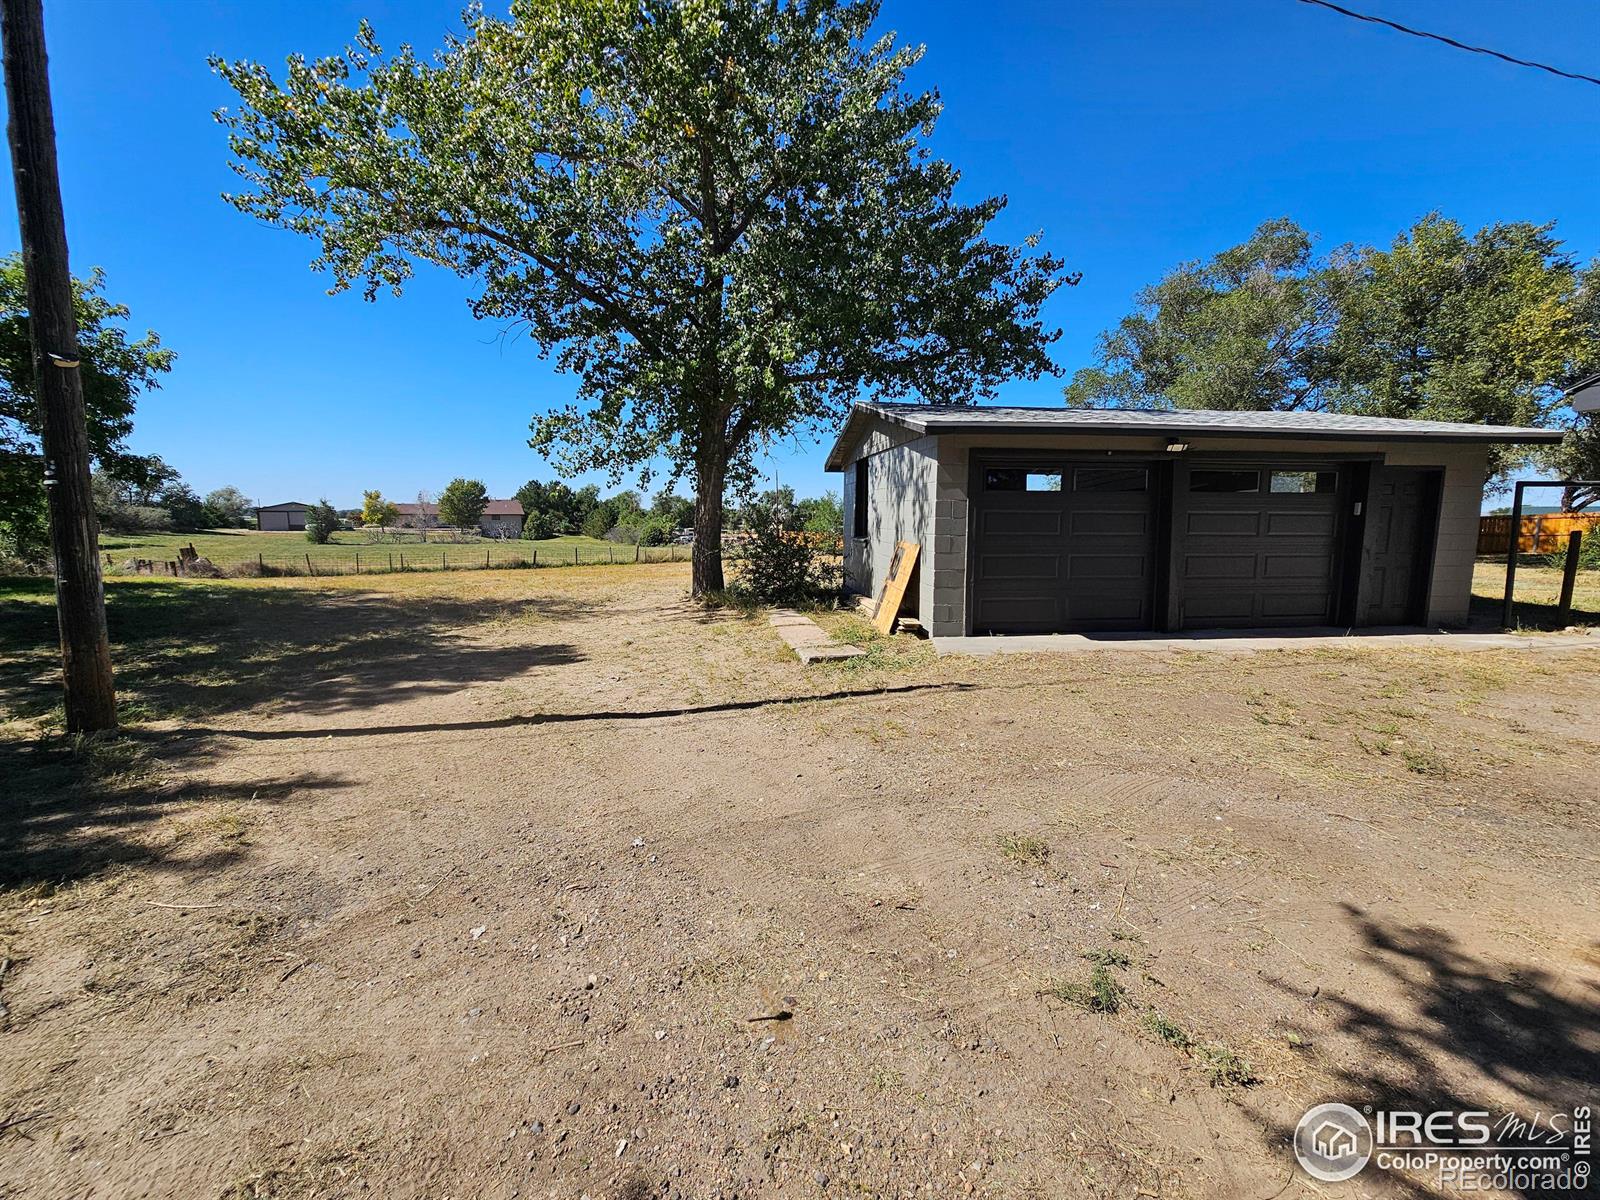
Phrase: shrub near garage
[1588,553]
[778,566]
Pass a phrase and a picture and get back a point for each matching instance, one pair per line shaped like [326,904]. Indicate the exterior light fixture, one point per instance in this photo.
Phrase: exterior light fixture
[1174,446]
[63,360]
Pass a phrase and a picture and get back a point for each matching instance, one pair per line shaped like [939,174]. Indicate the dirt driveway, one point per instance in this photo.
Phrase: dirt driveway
[549,884]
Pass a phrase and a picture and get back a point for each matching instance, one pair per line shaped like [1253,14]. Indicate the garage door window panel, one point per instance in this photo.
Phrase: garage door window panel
[1214,480]
[1021,479]
[1303,483]
[1110,479]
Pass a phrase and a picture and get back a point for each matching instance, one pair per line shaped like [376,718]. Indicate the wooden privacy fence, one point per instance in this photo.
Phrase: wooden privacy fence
[1541,533]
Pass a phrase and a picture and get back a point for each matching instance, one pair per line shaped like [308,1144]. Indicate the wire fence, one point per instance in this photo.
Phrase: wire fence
[379,559]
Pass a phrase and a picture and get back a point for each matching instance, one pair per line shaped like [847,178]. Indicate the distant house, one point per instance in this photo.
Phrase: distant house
[417,516]
[285,517]
[501,518]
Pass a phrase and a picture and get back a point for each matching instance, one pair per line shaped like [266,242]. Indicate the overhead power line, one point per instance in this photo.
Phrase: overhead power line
[1448,41]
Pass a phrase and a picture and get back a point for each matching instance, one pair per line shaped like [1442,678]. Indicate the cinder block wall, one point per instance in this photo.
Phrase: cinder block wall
[900,481]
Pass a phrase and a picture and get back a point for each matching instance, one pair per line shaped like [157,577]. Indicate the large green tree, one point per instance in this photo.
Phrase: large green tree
[228,508]
[553,508]
[1244,329]
[721,215]
[462,502]
[115,370]
[1441,325]
[1578,457]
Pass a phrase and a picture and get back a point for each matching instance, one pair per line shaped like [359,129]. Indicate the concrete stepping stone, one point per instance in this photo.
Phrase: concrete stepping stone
[808,639]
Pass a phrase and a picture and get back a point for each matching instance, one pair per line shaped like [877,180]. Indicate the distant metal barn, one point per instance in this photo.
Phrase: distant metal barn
[288,516]
[1099,520]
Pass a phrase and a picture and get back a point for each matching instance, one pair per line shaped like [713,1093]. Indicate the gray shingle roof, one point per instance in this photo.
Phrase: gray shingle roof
[1584,396]
[971,418]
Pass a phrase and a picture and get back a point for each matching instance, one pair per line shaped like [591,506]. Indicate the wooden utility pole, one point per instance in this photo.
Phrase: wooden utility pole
[91,700]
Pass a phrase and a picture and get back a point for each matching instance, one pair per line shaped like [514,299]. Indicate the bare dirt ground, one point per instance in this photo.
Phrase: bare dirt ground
[550,884]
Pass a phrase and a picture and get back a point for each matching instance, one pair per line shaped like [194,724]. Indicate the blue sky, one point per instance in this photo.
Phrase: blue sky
[1133,133]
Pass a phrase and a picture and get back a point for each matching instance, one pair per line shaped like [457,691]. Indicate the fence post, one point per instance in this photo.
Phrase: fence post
[443,559]
[486,557]
[574,554]
[1569,577]
[536,556]
[358,562]
[261,564]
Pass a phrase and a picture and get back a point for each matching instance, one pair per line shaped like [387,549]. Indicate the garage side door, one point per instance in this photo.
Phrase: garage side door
[1062,547]
[1259,547]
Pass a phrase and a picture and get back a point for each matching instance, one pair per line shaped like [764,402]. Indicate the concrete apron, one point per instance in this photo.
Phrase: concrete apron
[1248,641]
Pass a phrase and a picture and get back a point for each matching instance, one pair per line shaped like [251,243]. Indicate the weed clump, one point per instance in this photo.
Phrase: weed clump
[1024,849]
[1101,994]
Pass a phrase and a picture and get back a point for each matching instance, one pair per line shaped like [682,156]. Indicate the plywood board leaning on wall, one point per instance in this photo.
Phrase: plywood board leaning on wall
[894,586]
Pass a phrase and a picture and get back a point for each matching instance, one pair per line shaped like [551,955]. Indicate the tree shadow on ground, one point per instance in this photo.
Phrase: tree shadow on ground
[72,809]
[185,650]
[1462,1026]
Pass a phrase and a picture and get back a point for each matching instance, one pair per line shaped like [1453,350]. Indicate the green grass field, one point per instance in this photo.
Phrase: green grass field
[352,551]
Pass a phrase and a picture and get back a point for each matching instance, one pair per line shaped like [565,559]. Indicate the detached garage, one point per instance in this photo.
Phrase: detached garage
[1054,520]
[290,515]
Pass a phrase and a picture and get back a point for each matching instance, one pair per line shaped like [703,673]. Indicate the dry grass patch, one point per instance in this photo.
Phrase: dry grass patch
[1024,849]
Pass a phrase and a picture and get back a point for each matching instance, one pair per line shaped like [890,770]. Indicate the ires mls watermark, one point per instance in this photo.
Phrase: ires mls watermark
[1460,1150]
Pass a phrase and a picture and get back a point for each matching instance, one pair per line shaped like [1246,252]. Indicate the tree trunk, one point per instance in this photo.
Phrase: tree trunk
[91,703]
[710,475]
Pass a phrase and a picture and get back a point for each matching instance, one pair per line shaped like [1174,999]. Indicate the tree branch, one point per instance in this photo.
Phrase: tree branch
[607,304]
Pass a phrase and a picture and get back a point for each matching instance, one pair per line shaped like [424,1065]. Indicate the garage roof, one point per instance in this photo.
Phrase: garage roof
[1188,422]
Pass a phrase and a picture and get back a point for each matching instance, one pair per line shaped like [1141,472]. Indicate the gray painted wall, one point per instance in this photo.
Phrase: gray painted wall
[900,479]
[918,492]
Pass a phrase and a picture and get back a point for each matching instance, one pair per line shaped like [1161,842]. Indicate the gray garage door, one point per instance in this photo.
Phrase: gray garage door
[1259,546]
[1061,547]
